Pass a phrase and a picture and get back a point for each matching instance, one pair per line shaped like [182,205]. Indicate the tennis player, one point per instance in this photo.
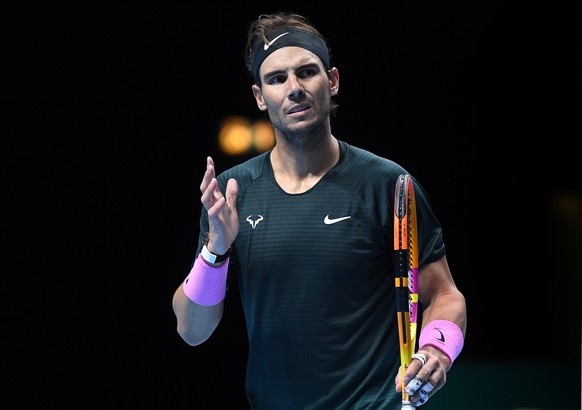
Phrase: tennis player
[304,234]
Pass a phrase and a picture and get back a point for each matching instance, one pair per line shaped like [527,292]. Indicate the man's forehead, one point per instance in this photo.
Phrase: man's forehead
[290,57]
[287,37]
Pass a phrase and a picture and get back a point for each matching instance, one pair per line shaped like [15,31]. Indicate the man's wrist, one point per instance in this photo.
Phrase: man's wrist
[443,335]
[206,284]
[212,258]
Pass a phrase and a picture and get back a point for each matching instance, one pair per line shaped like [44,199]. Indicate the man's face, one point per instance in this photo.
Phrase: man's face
[295,90]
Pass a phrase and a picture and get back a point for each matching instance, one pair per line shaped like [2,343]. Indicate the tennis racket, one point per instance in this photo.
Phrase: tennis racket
[406,273]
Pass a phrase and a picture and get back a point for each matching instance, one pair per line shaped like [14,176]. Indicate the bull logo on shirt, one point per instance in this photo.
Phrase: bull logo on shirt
[254,222]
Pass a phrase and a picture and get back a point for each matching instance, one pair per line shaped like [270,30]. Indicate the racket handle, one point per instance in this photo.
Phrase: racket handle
[408,405]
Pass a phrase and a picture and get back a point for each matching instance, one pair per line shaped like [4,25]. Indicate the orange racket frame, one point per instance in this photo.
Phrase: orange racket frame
[406,271]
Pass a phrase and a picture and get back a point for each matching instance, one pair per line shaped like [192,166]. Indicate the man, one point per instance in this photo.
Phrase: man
[305,233]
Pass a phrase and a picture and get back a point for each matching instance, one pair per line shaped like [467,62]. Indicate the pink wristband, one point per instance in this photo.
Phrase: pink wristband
[206,285]
[445,336]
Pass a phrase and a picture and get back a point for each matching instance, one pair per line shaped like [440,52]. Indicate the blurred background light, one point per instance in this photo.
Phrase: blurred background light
[238,135]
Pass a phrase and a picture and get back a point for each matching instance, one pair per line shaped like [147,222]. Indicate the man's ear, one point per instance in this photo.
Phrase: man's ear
[259,97]
[333,81]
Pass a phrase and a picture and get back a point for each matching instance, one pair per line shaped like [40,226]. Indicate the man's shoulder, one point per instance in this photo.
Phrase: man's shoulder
[357,156]
[246,171]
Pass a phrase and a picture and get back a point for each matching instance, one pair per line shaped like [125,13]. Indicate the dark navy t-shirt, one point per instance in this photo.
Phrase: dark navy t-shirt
[315,276]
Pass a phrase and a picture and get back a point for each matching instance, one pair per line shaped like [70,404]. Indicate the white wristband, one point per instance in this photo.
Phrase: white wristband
[212,258]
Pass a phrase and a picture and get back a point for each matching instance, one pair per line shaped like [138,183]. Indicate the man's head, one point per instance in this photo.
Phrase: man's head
[271,32]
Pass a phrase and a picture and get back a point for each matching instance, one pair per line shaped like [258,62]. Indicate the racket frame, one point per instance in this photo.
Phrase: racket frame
[406,271]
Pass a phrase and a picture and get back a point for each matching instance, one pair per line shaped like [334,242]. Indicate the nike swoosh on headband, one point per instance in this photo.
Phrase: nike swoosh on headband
[270,43]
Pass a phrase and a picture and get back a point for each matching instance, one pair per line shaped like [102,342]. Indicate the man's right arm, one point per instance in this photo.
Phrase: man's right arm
[196,323]
[198,302]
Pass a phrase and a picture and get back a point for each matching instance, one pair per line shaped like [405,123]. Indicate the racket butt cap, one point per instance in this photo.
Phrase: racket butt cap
[408,405]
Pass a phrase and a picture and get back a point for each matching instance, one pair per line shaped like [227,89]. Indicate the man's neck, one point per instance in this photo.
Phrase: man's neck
[298,169]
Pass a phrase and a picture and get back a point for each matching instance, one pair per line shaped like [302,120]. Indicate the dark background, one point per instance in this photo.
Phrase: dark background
[111,109]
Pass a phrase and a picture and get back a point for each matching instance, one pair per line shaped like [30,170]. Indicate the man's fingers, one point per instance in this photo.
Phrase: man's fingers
[207,178]
[231,193]
[424,393]
[211,194]
[427,381]
[414,385]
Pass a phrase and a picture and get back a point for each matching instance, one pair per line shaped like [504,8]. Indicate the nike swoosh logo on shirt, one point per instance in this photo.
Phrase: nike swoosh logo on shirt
[329,221]
[270,43]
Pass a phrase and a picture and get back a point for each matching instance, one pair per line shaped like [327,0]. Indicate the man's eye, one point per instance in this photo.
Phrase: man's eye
[305,73]
[278,79]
